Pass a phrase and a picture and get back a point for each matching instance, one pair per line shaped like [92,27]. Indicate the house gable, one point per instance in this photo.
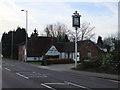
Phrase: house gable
[52,51]
[37,46]
[90,50]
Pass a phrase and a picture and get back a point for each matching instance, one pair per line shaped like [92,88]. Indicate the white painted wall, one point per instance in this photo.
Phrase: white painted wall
[34,58]
[62,55]
[78,56]
[66,55]
[52,51]
[73,56]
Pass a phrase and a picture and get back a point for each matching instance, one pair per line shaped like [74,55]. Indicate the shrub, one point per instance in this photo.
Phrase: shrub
[59,61]
[108,63]
[93,62]
[81,66]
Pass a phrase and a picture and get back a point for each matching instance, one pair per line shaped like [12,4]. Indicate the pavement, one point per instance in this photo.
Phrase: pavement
[68,68]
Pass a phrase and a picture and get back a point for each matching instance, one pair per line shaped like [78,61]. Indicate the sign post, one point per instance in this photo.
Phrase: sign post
[76,24]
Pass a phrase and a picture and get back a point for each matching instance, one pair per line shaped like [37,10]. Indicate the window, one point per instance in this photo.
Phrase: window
[89,54]
[35,58]
[66,55]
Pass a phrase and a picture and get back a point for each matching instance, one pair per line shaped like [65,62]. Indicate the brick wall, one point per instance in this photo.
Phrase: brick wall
[90,48]
[21,52]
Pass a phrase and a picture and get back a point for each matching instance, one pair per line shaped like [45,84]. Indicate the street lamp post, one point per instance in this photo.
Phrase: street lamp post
[12,46]
[76,24]
[26,32]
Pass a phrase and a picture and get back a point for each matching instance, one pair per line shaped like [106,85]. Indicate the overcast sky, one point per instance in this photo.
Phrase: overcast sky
[102,15]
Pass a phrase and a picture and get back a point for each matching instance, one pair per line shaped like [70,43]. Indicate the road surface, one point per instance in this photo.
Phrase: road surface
[17,74]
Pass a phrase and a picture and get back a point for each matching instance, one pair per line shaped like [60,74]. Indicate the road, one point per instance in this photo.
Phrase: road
[17,74]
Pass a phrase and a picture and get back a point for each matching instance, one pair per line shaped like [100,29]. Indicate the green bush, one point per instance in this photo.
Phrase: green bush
[93,62]
[81,66]
[109,63]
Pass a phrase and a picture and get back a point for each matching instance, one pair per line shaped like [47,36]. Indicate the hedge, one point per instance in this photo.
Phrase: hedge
[59,61]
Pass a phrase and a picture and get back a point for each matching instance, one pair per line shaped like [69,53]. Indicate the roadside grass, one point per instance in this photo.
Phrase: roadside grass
[8,59]
[81,67]
[97,71]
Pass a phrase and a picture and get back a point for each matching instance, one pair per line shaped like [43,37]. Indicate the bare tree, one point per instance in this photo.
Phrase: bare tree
[111,42]
[84,33]
[57,30]
[49,31]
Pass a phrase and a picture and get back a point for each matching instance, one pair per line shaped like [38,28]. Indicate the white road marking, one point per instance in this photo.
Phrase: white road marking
[65,83]
[45,76]
[56,83]
[28,75]
[77,85]
[48,86]
[7,69]
[115,81]
[36,76]
[22,76]
[12,65]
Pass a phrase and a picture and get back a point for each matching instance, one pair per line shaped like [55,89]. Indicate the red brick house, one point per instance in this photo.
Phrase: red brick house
[89,49]
[40,47]
[86,49]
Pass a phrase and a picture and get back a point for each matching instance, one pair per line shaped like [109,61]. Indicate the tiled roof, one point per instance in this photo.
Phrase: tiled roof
[39,46]
[70,46]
